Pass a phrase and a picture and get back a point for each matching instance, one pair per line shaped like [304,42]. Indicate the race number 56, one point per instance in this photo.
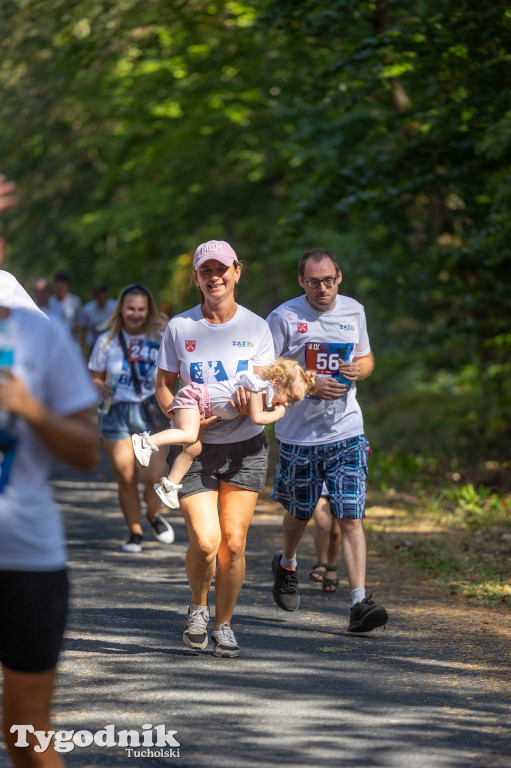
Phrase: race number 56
[324,357]
[327,362]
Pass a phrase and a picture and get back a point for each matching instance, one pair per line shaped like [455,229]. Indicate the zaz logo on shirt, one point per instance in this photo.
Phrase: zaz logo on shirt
[301,327]
[242,344]
[190,345]
[346,327]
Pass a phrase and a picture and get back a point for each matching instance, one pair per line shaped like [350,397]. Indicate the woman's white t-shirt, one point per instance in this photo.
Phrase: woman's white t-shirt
[110,358]
[204,352]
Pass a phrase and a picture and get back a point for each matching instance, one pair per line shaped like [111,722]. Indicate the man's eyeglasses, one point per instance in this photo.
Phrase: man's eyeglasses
[328,282]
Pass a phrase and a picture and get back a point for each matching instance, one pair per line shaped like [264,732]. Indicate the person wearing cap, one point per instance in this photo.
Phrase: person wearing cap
[13,295]
[46,400]
[123,369]
[213,342]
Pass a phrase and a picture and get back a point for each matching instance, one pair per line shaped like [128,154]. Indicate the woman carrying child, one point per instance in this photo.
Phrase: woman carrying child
[212,342]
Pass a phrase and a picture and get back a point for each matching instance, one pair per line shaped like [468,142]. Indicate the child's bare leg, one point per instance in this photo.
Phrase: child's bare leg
[183,461]
[187,423]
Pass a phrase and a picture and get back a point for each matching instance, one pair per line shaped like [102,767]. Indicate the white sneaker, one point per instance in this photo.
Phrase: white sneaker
[224,642]
[162,530]
[167,491]
[143,447]
[196,631]
[134,543]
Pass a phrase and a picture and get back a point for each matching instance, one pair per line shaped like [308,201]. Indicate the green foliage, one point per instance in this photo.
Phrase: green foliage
[478,508]
[135,131]
[379,129]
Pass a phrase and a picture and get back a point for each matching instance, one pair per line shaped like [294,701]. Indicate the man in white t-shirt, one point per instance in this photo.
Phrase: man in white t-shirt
[94,315]
[42,294]
[322,438]
[63,301]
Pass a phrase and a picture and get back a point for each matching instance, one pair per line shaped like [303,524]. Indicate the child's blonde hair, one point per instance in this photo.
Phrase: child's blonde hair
[289,372]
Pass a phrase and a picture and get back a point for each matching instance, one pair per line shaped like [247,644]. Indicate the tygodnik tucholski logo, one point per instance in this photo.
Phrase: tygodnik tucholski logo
[152,741]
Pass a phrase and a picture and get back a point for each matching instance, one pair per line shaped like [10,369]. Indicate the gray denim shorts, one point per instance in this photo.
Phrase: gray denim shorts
[242,464]
[123,420]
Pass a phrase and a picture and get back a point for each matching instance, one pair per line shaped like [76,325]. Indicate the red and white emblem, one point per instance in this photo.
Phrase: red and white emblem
[301,327]
[190,345]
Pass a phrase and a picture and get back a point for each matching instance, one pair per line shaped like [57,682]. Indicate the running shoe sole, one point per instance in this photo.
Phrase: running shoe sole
[225,653]
[193,645]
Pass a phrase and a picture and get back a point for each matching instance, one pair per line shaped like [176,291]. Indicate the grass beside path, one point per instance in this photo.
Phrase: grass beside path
[461,541]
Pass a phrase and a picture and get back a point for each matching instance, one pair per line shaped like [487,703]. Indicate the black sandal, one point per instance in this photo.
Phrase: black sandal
[316,575]
[328,582]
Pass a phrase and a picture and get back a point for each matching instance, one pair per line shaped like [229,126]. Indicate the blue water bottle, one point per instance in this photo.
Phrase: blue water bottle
[8,421]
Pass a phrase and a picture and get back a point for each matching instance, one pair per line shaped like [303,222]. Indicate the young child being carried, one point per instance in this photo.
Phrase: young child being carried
[276,385]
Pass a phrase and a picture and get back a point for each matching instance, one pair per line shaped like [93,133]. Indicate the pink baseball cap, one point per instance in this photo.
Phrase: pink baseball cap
[214,249]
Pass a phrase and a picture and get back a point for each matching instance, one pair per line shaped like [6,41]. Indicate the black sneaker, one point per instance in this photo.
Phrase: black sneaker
[196,631]
[285,585]
[367,615]
[162,530]
[134,543]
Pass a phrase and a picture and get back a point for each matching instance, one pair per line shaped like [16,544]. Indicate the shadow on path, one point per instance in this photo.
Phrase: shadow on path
[432,691]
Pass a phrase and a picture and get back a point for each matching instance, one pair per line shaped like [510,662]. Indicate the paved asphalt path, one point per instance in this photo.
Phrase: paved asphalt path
[432,691]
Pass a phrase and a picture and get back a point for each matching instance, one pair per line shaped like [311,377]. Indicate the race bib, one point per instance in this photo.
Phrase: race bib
[324,358]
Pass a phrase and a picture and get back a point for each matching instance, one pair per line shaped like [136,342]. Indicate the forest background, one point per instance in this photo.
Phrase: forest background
[381,130]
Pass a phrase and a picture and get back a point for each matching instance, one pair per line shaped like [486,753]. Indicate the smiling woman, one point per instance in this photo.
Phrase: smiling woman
[123,369]
[213,342]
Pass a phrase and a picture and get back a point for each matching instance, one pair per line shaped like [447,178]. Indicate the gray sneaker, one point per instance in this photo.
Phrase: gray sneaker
[224,642]
[196,631]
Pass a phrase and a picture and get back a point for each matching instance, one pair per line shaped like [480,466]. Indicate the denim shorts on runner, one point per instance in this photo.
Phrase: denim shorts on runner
[302,469]
[123,420]
[33,612]
[242,464]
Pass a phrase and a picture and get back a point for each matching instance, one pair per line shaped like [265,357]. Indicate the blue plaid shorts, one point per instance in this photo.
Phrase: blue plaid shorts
[301,470]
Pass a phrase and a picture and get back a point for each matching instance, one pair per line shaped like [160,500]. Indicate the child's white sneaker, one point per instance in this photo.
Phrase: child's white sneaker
[143,447]
[167,491]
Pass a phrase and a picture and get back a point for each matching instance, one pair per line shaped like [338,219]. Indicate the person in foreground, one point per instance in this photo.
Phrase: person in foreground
[322,439]
[124,371]
[212,342]
[45,411]
[278,384]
